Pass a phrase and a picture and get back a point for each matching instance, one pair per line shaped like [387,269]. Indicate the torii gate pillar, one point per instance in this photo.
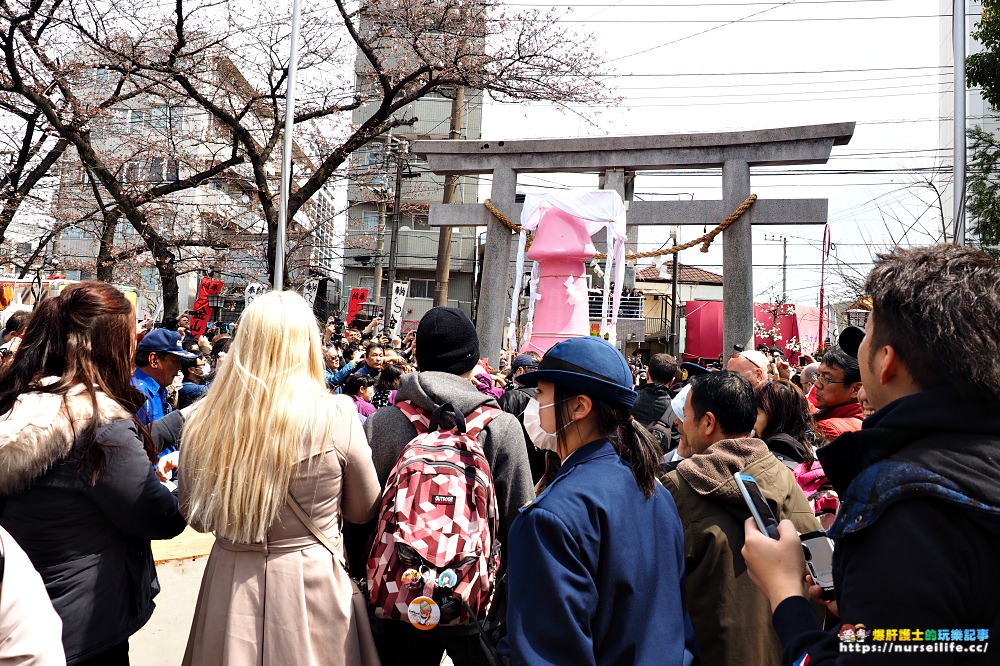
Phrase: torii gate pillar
[734,152]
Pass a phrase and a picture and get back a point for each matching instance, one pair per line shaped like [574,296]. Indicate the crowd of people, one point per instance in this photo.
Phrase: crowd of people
[380,499]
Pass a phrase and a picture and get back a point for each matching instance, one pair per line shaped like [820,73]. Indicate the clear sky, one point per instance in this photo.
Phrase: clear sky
[694,66]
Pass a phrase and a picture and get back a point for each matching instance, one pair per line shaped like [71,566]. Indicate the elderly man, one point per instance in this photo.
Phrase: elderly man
[752,364]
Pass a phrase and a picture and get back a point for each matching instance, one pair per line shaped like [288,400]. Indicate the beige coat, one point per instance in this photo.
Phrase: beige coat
[286,601]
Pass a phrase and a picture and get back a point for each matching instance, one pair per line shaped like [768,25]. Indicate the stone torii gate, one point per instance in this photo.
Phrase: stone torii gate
[617,157]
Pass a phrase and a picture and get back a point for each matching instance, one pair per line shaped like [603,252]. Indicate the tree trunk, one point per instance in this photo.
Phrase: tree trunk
[105,263]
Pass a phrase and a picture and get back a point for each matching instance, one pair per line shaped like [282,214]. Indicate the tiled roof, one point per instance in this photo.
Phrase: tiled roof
[685,274]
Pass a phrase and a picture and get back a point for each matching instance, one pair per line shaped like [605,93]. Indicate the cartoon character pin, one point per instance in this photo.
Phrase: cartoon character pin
[424,613]
[412,579]
[447,579]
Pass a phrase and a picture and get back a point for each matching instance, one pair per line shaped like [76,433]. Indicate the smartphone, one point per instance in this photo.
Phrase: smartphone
[761,512]
[818,550]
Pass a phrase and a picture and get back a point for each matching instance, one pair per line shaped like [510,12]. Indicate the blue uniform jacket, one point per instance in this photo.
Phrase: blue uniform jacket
[596,571]
[156,406]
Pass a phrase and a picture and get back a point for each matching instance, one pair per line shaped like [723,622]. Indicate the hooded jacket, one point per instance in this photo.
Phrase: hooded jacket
[732,619]
[389,430]
[918,532]
[90,543]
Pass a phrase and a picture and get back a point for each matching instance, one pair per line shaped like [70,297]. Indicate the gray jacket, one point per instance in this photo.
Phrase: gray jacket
[389,430]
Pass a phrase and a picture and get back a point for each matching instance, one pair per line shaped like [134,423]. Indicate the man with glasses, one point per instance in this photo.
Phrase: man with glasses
[837,386]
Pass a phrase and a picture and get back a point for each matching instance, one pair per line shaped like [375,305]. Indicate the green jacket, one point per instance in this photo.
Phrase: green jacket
[732,619]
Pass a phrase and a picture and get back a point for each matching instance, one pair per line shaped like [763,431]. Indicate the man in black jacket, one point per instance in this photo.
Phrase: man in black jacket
[654,398]
[918,532]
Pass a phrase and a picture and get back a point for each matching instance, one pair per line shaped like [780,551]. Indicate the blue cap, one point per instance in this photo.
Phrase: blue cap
[164,341]
[589,366]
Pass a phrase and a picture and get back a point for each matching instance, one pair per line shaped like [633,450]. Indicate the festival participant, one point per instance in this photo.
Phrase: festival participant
[76,481]
[269,461]
[838,383]
[360,389]
[919,524]
[158,359]
[387,385]
[596,573]
[447,353]
[731,618]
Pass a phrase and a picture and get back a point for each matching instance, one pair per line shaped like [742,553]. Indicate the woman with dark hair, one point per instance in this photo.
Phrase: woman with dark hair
[360,389]
[76,477]
[784,422]
[596,562]
[385,387]
[786,426]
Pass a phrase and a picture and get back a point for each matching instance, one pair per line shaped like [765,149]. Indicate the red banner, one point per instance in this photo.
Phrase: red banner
[358,297]
[201,312]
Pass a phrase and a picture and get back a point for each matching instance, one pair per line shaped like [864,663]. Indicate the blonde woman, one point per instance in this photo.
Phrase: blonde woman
[268,435]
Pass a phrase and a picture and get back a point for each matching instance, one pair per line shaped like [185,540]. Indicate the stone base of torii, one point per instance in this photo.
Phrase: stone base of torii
[614,157]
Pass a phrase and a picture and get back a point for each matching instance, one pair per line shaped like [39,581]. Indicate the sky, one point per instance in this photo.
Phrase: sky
[691,66]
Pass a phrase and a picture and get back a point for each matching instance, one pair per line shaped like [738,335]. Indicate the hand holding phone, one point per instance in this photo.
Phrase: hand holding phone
[761,512]
[818,550]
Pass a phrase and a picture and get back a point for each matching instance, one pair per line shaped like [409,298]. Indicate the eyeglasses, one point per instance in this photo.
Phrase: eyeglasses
[821,380]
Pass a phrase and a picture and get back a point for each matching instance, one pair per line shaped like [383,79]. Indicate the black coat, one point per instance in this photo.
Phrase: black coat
[90,543]
[918,532]
[652,403]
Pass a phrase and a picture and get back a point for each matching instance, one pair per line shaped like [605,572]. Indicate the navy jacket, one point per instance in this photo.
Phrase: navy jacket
[596,571]
[917,535]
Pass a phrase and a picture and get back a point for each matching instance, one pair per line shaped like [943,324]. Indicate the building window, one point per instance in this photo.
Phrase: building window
[369,221]
[374,153]
[421,289]
[367,283]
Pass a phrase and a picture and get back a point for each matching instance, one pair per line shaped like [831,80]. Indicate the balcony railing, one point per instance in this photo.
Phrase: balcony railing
[630,307]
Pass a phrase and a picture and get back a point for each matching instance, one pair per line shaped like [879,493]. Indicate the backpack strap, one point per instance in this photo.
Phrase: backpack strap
[472,423]
[477,420]
[418,417]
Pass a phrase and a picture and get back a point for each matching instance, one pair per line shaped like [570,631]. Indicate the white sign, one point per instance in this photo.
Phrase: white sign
[253,290]
[309,289]
[398,300]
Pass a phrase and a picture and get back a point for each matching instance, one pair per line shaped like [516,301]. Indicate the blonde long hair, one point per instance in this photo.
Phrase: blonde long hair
[240,446]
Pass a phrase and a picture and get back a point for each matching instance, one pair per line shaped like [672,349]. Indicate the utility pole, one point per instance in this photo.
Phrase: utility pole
[675,344]
[958,87]
[376,294]
[396,204]
[450,186]
[784,264]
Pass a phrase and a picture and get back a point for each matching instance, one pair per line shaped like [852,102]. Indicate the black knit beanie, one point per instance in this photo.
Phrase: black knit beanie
[447,341]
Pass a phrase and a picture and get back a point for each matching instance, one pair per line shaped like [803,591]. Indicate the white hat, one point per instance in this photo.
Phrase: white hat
[677,404]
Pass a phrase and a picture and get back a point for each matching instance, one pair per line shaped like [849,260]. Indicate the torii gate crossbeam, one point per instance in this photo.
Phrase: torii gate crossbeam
[733,152]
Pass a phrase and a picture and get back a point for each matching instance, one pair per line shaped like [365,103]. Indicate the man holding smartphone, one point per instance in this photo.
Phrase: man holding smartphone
[918,532]
[732,620]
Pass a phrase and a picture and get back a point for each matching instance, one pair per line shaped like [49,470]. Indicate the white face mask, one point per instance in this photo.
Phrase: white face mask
[545,441]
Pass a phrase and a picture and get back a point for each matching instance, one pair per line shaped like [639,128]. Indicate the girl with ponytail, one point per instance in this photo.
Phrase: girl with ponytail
[596,562]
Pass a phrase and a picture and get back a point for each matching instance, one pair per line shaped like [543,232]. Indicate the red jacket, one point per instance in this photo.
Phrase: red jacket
[834,421]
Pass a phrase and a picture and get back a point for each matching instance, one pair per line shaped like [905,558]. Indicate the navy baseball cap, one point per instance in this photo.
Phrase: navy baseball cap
[524,361]
[164,341]
[589,366]
[850,340]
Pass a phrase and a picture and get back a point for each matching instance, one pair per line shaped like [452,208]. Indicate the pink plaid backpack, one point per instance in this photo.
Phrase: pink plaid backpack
[436,554]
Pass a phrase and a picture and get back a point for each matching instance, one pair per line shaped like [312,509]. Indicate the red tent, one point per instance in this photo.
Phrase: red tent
[704,328]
